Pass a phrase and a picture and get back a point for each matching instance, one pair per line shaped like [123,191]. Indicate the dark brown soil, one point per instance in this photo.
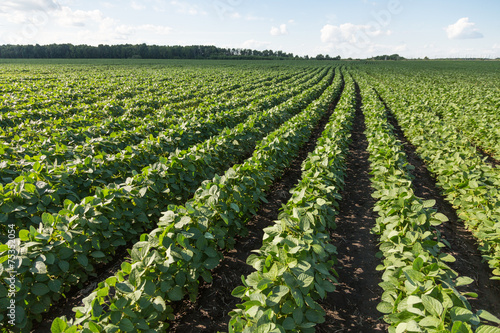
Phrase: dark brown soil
[463,243]
[352,306]
[489,158]
[210,312]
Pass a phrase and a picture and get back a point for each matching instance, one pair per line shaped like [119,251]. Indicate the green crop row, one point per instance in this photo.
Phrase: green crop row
[159,130]
[67,245]
[110,136]
[29,97]
[43,189]
[469,183]
[420,289]
[169,262]
[294,266]
[466,100]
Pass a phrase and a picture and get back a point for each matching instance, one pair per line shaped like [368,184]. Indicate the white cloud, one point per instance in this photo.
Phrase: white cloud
[78,18]
[278,31]
[351,33]
[137,6]
[255,44]
[357,41]
[463,29]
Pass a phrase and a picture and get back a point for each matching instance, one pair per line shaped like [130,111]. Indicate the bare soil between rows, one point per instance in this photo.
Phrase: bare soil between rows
[76,294]
[210,311]
[352,306]
[463,245]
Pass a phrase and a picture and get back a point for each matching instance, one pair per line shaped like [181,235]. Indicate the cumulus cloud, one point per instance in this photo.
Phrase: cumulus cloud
[463,29]
[350,33]
[78,18]
[278,31]
[351,40]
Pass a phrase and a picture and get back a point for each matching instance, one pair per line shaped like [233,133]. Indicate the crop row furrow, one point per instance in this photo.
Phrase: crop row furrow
[469,183]
[168,263]
[147,121]
[420,289]
[28,196]
[67,145]
[66,245]
[294,266]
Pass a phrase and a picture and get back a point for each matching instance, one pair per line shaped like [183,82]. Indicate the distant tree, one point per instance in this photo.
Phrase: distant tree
[125,51]
[320,57]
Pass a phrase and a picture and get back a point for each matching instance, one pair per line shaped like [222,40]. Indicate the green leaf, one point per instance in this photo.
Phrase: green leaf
[446,257]
[47,219]
[385,307]
[235,207]
[58,326]
[24,235]
[98,254]
[460,314]
[298,316]
[239,291]
[94,327]
[150,288]
[429,203]
[40,289]
[63,265]
[126,267]
[314,316]
[289,324]
[124,287]
[175,294]
[83,260]
[277,294]
[432,305]
[430,321]
[463,281]
[263,283]
[297,296]
[126,325]
[65,253]
[459,327]
[488,316]
[306,280]
[441,217]
[55,285]
[487,329]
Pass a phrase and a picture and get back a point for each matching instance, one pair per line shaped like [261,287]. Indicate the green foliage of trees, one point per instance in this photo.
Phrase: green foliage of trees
[138,51]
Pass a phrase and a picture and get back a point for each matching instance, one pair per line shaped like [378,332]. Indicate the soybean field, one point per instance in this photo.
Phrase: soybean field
[249,196]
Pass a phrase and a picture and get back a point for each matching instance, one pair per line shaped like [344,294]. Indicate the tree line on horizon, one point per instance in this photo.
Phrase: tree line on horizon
[142,51]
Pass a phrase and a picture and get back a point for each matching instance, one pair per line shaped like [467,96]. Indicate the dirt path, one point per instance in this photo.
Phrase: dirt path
[210,312]
[463,243]
[352,306]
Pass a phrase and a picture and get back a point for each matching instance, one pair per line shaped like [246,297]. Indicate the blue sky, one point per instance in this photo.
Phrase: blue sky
[356,28]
